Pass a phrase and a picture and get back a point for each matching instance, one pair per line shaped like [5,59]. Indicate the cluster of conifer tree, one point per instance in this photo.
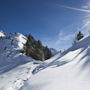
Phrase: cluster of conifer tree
[35,49]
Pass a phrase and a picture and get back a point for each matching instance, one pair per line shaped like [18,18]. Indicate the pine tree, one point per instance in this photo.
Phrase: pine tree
[47,53]
[31,38]
[39,44]
[79,36]
[26,35]
[35,49]
[39,50]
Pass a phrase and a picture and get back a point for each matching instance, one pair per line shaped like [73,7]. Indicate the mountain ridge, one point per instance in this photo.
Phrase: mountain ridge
[68,70]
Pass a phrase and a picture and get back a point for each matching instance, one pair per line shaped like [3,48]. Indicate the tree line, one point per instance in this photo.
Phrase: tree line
[35,49]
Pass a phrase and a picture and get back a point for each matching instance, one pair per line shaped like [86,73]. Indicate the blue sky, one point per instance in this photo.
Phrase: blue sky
[54,22]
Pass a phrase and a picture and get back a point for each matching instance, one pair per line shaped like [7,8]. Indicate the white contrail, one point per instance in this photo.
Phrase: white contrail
[76,9]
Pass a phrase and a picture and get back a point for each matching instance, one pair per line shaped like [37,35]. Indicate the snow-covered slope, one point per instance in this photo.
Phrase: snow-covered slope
[69,70]
[15,68]
[10,46]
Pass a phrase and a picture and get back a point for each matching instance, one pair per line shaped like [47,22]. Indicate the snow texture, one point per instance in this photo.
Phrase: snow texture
[69,70]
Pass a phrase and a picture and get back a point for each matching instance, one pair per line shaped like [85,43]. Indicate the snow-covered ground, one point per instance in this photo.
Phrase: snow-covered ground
[15,68]
[69,70]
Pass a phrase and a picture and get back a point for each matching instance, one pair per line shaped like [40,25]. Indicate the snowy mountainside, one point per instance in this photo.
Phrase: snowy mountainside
[9,47]
[15,68]
[69,70]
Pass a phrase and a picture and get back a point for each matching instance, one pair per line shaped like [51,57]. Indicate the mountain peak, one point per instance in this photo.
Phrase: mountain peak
[2,34]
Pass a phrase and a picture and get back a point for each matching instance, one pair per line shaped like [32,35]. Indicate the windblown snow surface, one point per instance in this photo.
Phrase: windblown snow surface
[69,70]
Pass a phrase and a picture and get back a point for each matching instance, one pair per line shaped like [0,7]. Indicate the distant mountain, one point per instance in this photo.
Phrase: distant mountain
[54,51]
[2,33]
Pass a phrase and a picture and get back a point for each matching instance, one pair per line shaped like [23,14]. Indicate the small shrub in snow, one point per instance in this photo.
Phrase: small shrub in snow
[79,36]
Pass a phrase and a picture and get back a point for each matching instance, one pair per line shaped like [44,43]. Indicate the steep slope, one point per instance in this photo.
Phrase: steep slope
[15,68]
[10,46]
[67,71]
